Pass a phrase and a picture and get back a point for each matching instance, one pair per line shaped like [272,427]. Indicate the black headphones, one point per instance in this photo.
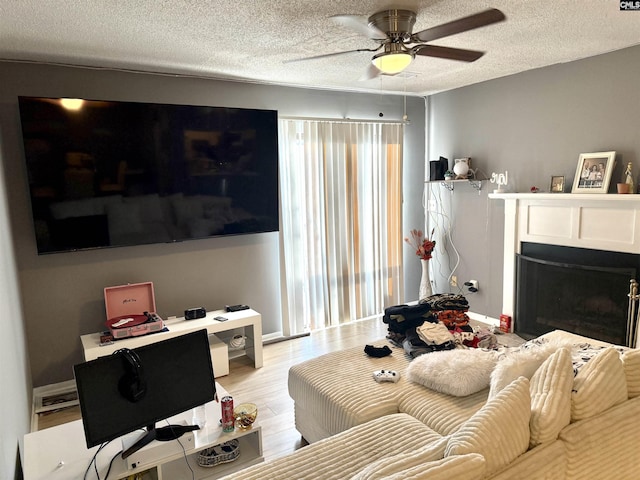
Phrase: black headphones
[132,385]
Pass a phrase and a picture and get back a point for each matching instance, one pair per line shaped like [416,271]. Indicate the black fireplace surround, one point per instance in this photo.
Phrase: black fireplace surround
[583,291]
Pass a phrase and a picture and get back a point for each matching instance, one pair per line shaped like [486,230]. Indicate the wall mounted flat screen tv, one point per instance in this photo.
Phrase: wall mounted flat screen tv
[109,174]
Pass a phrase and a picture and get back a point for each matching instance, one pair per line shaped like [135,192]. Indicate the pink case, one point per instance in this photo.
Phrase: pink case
[131,299]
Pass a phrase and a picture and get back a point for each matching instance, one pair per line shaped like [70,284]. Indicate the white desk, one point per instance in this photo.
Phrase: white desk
[249,319]
[60,452]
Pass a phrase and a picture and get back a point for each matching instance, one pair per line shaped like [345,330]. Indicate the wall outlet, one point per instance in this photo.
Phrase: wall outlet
[454,281]
[473,285]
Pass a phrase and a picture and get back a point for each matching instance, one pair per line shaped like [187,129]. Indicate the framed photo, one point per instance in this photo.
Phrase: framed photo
[557,184]
[593,173]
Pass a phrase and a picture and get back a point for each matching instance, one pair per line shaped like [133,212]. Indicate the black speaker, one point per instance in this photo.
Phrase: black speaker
[435,170]
[444,165]
[193,313]
[132,385]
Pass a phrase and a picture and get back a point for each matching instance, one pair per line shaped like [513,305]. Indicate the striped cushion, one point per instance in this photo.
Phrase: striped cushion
[461,467]
[387,466]
[544,462]
[444,413]
[339,388]
[599,385]
[499,431]
[550,389]
[346,454]
[631,362]
[605,446]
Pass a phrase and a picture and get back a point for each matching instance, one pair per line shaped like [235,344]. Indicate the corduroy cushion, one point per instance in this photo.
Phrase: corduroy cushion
[461,467]
[499,431]
[347,453]
[631,363]
[599,385]
[521,362]
[550,389]
[387,466]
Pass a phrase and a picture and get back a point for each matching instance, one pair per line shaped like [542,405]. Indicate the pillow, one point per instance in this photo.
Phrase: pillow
[461,467]
[458,372]
[550,389]
[499,431]
[521,362]
[631,363]
[599,385]
[398,463]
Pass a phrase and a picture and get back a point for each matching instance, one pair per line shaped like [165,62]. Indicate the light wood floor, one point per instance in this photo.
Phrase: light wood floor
[267,386]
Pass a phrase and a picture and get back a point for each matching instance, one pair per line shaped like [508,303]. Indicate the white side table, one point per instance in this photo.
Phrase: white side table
[60,452]
[249,319]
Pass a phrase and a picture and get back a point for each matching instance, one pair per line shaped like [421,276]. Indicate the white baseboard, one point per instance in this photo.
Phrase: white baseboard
[484,319]
[270,337]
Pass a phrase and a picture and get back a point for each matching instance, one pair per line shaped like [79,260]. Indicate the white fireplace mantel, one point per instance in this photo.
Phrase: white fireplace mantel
[598,221]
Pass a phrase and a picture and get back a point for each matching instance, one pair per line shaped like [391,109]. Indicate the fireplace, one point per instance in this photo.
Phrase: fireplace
[588,224]
[583,291]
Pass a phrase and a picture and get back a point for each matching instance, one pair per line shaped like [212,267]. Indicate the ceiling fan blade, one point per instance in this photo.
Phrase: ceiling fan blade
[477,20]
[448,52]
[371,73]
[326,55]
[360,25]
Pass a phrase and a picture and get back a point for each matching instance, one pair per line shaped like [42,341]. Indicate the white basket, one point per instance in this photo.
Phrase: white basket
[224,453]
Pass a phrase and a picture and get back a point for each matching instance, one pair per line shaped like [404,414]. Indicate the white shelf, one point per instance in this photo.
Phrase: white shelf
[250,454]
[249,320]
[450,184]
[60,453]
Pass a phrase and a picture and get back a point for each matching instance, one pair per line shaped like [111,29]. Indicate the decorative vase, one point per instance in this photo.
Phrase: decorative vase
[425,281]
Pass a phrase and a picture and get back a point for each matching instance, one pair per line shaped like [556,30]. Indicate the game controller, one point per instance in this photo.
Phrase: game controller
[386,376]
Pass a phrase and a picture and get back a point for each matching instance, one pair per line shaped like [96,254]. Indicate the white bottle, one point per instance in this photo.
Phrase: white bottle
[199,416]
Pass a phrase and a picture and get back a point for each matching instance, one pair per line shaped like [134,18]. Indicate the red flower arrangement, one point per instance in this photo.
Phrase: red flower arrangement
[424,247]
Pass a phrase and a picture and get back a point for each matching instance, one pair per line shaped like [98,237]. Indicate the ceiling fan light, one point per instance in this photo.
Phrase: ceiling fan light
[392,63]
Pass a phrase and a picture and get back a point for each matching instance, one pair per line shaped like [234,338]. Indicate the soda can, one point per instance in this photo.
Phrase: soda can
[228,422]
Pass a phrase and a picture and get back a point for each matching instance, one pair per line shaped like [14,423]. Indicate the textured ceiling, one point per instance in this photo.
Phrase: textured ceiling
[250,40]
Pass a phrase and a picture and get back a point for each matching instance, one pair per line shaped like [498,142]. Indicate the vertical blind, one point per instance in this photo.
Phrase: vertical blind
[341,187]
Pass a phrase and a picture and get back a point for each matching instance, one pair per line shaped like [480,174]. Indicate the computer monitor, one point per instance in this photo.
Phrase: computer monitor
[134,389]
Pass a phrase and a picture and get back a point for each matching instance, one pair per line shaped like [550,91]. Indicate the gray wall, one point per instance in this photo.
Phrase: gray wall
[15,377]
[533,125]
[62,294]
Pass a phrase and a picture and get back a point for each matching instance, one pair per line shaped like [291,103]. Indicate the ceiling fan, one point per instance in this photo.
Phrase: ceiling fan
[392,29]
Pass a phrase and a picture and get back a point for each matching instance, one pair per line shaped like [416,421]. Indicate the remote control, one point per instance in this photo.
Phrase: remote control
[386,376]
[220,319]
[237,308]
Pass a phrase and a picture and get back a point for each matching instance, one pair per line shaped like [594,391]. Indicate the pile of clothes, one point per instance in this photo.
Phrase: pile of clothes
[437,323]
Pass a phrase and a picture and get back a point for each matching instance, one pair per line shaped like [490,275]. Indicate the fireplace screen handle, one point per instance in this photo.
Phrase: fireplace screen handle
[632,313]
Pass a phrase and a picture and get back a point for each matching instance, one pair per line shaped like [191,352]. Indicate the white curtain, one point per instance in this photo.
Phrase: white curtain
[341,190]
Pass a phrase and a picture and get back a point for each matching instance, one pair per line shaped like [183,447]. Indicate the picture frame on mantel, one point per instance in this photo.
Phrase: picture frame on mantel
[593,173]
[557,184]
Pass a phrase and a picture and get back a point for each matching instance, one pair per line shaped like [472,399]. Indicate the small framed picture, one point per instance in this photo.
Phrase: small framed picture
[557,184]
[593,173]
